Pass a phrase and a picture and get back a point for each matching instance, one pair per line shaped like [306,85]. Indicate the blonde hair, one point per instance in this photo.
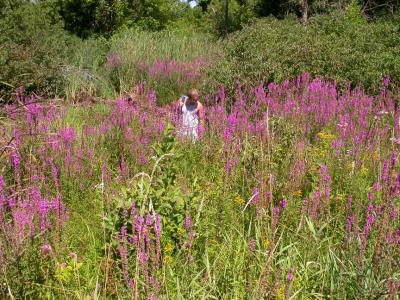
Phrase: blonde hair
[192,93]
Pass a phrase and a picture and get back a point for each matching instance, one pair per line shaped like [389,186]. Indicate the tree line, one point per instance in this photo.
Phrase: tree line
[103,17]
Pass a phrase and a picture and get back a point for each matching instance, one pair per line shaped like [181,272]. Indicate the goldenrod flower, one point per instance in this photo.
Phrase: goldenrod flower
[239,200]
[364,170]
[326,136]
[297,193]
[280,295]
[169,248]
[376,155]
[339,197]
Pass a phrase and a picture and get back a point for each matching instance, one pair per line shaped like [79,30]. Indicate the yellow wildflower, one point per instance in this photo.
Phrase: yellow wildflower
[326,136]
[376,155]
[364,170]
[167,259]
[339,197]
[181,231]
[297,193]
[169,248]
[266,243]
[280,295]
[239,200]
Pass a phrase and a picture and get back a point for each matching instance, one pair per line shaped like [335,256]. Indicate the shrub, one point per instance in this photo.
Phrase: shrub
[335,47]
[34,50]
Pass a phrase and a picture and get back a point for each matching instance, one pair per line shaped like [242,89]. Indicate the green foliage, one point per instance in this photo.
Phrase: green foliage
[239,13]
[34,50]
[89,17]
[157,192]
[66,272]
[332,47]
[354,13]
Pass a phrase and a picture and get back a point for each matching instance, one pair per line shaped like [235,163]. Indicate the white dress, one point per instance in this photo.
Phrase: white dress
[190,120]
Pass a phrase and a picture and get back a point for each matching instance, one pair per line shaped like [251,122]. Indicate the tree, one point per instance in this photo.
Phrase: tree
[304,11]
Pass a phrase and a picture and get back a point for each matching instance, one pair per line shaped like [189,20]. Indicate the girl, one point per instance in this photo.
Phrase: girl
[191,113]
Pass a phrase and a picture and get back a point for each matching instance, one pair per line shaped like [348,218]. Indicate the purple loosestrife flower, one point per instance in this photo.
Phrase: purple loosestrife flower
[289,281]
[283,203]
[143,257]
[133,240]
[123,251]
[123,170]
[395,159]
[378,210]
[188,222]
[157,225]
[2,193]
[349,224]
[385,170]
[139,225]
[148,220]
[73,256]
[386,81]
[43,211]
[68,134]
[315,204]
[370,197]
[157,232]
[394,211]
[290,275]
[46,249]
[275,213]
[349,202]
[252,246]
[15,159]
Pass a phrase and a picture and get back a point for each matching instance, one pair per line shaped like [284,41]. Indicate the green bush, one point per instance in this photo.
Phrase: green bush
[334,47]
[34,50]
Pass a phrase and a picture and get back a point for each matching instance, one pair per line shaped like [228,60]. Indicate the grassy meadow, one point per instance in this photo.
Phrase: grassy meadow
[292,191]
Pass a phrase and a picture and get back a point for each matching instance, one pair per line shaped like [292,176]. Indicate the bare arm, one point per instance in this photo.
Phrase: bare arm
[200,114]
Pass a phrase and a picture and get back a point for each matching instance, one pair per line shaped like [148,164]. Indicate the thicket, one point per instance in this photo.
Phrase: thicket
[34,49]
[341,48]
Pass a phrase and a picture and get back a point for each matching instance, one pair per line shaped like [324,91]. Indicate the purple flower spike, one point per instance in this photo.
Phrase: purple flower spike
[290,276]
[283,203]
[46,249]
[188,222]
[252,246]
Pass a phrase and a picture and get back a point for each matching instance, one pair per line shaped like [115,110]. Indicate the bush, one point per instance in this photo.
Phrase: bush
[34,49]
[335,47]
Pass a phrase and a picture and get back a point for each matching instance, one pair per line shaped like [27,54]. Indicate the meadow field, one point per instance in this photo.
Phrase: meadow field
[291,192]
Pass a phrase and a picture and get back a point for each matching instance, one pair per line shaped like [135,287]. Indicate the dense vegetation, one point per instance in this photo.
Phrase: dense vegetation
[42,51]
[292,191]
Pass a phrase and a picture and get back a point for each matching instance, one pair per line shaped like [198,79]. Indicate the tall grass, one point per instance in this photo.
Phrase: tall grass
[107,68]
